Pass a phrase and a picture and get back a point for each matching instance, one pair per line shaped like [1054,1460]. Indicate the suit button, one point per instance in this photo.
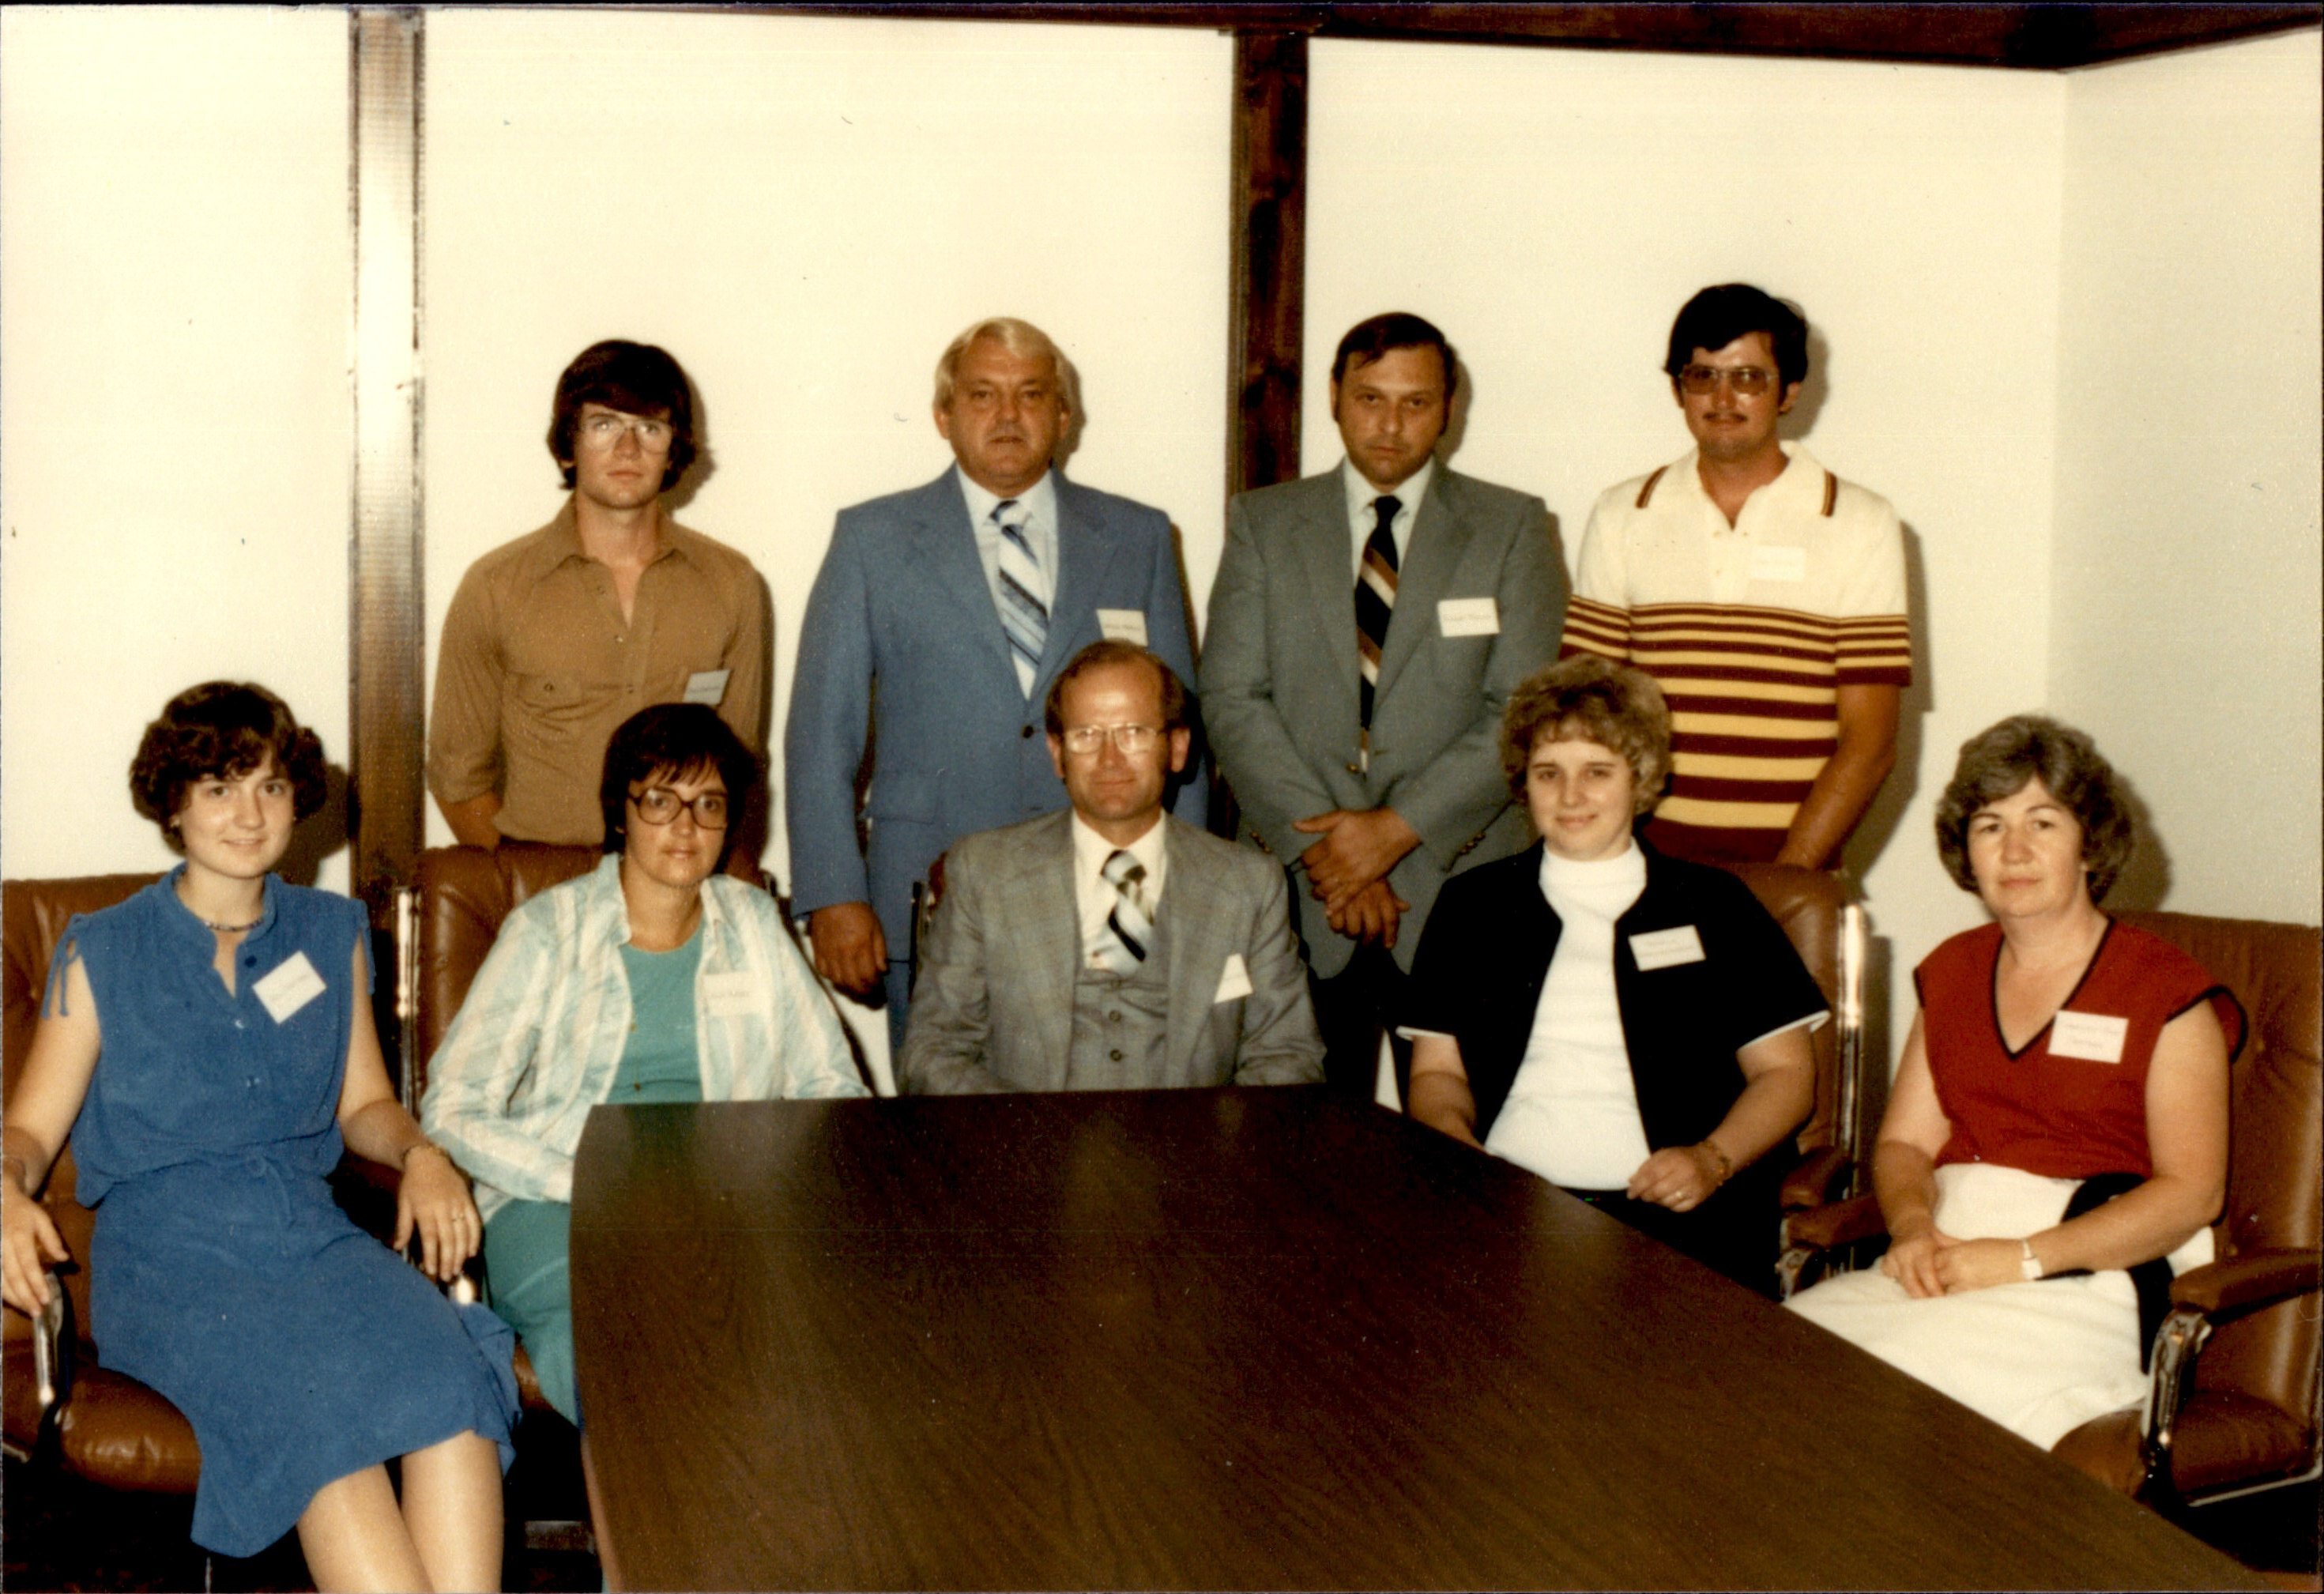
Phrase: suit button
[1027,733]
[1115,1056]
[1355,768]
[1114,1018]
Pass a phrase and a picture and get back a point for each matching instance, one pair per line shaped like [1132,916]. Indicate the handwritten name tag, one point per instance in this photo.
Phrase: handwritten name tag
[1662,949]
[1123,626]
[1469,617]
[2094,1037]
[1234,980]
[733,993]
[290,986]
[706,686]
[1779,564]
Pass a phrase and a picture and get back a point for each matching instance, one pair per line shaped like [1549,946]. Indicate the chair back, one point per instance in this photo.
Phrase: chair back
[2276,1145]
[1808,903]
[33,913]
[464,895]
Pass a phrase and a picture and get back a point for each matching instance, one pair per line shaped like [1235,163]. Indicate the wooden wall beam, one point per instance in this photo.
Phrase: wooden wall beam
[1267,276]
[385,621]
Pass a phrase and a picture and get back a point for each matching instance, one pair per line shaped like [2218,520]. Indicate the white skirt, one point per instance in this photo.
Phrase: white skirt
[2040,1358]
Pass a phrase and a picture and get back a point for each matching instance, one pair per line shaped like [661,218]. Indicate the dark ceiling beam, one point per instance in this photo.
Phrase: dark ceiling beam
[2043,36]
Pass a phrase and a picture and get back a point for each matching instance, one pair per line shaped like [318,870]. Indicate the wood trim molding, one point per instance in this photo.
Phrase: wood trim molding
[1267,276]
[385,620]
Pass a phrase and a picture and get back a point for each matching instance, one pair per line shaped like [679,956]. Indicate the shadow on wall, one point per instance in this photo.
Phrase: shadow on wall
[2145,881]
[1799,420]
[320,834]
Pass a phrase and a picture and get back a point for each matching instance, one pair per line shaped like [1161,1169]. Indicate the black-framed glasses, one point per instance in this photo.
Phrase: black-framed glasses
[1128,740]
[1747,382]
[658,804]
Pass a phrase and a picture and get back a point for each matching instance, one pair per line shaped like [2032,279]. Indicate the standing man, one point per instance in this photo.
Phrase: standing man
[1366,627]
[1110,947]
[939,618]
[554,639]
[1764,595]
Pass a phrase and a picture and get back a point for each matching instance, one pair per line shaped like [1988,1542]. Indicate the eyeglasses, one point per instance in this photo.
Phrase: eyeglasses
[1748,381]
[1130,740]
[658,804]
[602,432]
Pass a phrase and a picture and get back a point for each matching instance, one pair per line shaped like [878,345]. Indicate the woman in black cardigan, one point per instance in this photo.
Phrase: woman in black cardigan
[1632,1027]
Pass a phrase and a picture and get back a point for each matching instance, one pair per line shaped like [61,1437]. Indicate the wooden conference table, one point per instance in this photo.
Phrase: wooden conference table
[1238,1340]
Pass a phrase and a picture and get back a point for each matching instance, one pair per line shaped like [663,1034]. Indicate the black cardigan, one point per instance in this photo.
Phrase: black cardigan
[1481,961]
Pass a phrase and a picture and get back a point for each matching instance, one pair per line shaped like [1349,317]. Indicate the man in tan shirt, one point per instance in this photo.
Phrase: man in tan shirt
[555,638]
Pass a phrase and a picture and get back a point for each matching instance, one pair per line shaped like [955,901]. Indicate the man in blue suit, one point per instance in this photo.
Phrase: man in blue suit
[939,618]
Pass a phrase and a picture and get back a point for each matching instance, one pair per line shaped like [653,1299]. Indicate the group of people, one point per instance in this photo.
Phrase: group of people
[1471,820]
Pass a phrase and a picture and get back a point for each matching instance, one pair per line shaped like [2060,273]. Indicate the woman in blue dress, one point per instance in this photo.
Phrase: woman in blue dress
[209,1045]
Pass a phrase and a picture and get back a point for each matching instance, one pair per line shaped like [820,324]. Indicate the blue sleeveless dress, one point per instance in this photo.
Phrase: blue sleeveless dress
[221,1274]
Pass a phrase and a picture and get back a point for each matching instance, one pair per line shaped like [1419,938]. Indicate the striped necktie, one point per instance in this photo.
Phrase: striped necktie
[1129,928]
[1375,605]
[1024,606]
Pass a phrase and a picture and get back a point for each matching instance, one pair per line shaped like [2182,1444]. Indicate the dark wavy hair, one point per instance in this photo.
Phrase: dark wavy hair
[1115,650]
[1586,697]
[635,378]
[674,739]
[222,728]
[1368,340]
[1997,761]
[1717,317]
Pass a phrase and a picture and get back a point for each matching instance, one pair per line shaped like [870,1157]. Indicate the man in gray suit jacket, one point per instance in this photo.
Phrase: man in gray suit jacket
[1363,753]
[938,620]
[1110,947]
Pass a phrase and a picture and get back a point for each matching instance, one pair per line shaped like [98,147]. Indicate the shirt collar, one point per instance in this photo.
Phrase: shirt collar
[184,918]
[1801,481]
[1092,849]
[564,540]
[609,910]
[1362,494]
[1040,500]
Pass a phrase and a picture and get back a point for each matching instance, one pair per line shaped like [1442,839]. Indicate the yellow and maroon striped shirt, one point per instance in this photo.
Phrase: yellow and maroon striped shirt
[1750,631]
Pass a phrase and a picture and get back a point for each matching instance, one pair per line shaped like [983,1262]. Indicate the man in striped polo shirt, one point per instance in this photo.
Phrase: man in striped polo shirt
[1763,593]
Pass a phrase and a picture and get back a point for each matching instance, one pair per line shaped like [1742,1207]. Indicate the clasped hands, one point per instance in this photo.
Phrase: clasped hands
[1347,870]
[1929,1262]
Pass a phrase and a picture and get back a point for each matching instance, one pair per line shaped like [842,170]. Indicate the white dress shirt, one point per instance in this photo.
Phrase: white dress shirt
[1362,494]
[1039,503]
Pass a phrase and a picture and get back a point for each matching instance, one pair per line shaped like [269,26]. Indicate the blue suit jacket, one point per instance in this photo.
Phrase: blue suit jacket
[902,604]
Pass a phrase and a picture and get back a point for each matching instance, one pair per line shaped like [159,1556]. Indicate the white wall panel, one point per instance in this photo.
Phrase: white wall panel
[174,309]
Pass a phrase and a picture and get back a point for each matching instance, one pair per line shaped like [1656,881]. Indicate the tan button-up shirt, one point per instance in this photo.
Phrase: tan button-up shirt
[537,669]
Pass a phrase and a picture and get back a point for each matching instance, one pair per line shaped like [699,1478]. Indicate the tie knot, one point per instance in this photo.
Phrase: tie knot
[1007,512]
[1385,507]
[1121,869]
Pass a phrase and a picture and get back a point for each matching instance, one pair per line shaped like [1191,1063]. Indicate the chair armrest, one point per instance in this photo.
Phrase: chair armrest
[1842,1222]
[2246,1283]
[53,1350]
[1810,1184]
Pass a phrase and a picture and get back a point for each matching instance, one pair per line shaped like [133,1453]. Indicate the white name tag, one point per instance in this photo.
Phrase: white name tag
[1123,626]
[734,993]
[1779,564]
[2094,1037]
[706,686]
[291,986]
[1469,617]
[1661,949]
[1234,980]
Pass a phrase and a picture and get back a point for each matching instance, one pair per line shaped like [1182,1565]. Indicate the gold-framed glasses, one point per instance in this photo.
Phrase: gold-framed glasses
[658,804]
[1128,740]
[1747,382]
[604,431]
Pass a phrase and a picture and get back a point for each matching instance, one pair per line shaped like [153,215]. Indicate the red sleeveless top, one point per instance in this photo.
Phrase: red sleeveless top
[2061,1117]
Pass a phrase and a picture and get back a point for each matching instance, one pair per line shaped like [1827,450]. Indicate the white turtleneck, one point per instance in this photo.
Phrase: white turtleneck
[1573,1112]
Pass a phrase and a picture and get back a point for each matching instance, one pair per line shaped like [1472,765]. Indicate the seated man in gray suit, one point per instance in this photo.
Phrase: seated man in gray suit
[1112,946]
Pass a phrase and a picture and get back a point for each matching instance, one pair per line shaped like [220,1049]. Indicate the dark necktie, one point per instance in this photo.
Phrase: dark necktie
[1375,606]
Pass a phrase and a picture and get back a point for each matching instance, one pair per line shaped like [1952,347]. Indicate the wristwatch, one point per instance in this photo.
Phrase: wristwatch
[2029,1264]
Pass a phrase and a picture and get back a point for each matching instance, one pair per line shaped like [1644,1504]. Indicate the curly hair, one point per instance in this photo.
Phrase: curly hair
[1997,761]
[222,728]
[674,739]
[1586,697]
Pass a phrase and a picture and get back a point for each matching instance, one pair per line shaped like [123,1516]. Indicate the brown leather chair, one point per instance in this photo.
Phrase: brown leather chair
[2233,1404]
[1812,907]
[109,1429]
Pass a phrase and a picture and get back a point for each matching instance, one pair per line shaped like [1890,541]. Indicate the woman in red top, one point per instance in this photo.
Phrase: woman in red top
[2054,1049]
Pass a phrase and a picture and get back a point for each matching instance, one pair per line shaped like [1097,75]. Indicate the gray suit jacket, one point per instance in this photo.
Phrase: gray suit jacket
[1280,678]
[994,1010]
